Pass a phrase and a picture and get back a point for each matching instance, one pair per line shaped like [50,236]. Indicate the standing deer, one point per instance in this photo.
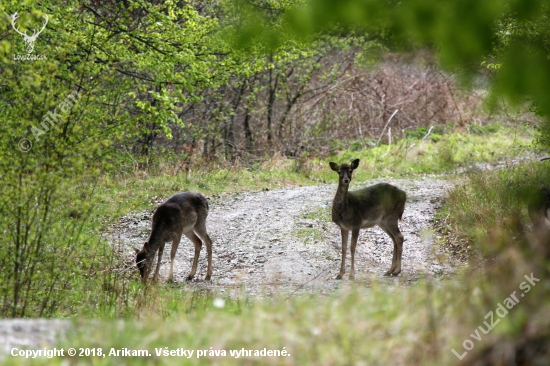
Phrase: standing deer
[381,204]
[183,213]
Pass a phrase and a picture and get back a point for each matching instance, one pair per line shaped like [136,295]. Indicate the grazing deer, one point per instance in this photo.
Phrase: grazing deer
[183,213]
[381,204]
[539,208]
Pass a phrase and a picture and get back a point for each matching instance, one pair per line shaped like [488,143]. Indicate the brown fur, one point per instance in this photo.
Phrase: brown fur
[381,204]
[183,213]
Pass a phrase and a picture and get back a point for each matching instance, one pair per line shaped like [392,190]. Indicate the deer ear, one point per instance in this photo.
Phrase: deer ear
[354,164]
[136,250]
[333,166]
[146,247]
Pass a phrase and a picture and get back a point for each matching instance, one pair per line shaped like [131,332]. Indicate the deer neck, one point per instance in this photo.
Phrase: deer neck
[155,240]
[341,197]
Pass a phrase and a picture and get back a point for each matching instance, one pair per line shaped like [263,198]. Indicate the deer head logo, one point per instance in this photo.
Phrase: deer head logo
[29,40]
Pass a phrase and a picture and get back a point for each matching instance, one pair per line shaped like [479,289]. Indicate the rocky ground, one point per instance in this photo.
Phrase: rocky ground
[283,241]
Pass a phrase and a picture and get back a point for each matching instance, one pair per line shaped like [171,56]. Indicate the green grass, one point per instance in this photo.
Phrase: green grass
[310,229]
[318,213]
[309,234]
[411,157]
[447,154]
[379,325]
[498,196]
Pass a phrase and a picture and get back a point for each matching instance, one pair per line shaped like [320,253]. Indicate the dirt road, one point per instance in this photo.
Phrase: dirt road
[283,241]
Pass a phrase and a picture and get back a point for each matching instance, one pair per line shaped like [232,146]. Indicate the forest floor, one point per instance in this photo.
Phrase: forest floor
[284,242]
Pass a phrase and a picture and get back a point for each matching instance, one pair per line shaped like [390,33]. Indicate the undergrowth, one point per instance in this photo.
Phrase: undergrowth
[498,195]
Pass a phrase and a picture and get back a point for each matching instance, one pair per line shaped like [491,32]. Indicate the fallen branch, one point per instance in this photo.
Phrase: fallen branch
[387,123]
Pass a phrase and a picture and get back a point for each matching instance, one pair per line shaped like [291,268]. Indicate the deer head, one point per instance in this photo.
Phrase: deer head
[344,171]
[141,257]
[29,40]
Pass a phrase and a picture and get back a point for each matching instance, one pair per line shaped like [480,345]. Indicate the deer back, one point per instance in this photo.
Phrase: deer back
[179,214]
[369,206]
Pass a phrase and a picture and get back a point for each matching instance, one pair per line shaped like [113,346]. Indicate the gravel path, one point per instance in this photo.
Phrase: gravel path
[284,241]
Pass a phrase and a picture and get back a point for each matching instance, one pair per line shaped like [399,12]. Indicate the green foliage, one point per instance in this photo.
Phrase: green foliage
[497,195]
[482,130]
[421,132]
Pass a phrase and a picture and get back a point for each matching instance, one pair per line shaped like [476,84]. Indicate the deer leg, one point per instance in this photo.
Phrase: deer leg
[354,237]
[399,238]
[395,251]
[344,245]
[175,242]
[198,245]
[393,231]
[201,232]
[161,249]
